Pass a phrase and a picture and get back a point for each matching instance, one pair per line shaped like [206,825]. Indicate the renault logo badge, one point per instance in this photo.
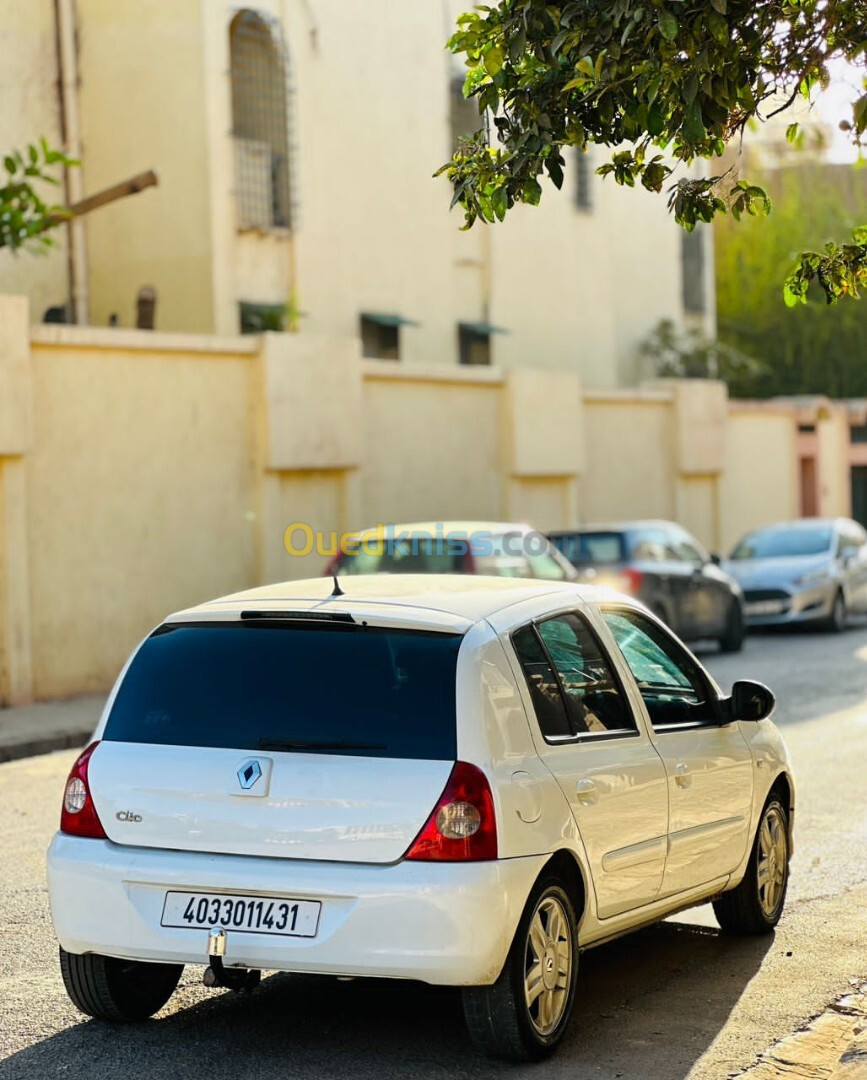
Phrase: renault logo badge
[249,773]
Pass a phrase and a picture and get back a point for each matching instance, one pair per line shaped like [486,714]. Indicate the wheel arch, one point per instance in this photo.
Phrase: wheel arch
[784,789]
[565,864]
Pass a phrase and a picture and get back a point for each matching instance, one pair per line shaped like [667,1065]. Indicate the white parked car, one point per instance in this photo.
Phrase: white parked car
[461,780]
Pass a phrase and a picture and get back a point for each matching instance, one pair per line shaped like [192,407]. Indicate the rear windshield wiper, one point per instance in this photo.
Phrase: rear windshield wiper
[312,747]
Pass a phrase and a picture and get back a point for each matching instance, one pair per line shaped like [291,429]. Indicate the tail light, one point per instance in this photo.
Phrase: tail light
[462,827]
[629,581]
[468,562]
[78,815]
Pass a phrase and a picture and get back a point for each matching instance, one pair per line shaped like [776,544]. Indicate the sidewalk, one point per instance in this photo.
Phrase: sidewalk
[51,725]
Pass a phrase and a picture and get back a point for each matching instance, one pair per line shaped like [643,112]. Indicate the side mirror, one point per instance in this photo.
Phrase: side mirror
[751,701]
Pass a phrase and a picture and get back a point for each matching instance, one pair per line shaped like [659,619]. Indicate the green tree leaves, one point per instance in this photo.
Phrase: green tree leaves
[667,25]
[683,77]
[25,217]
[812,347]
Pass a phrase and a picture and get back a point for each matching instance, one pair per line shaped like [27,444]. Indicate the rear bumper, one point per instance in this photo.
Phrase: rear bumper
[441,923]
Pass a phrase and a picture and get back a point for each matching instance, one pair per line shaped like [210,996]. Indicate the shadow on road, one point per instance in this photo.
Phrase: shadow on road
[649,1005]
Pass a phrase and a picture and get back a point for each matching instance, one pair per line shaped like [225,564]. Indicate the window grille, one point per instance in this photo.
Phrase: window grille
[260,123]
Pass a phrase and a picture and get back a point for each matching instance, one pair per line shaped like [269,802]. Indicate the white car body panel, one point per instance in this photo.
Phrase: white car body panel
[348,820]
[304,806]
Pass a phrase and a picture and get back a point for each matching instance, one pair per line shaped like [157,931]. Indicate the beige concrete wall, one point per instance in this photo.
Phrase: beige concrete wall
[630,442]
[160,470]
[432,447]
[30,109]
[760,482]
[142,496]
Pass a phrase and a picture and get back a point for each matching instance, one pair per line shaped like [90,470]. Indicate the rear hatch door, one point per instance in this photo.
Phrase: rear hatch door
[291,739]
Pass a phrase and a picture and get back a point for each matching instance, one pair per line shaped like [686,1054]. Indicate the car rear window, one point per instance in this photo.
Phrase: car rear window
[603,548]
[409,555]
[331,688]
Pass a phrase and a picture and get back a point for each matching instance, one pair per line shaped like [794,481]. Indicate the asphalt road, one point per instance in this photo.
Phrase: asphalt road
[675,1001]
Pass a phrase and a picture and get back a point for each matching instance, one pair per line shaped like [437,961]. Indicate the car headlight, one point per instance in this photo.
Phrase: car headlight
[814,577]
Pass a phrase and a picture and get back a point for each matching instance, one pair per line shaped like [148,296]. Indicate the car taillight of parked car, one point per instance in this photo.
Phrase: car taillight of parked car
[629,581]
[78,815]
[462,827]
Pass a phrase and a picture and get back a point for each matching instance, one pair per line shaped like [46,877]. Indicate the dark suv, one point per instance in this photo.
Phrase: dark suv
[666,568]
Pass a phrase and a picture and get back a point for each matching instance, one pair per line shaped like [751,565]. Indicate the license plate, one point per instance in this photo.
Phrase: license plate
[280,916]
[766,607]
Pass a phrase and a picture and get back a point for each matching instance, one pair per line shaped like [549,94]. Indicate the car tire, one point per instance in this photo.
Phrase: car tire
[837,620]
[732,640]
[501,1020]
[755,906]
[122,991]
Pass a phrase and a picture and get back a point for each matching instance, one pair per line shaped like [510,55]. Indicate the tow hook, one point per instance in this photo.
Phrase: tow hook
[216,974]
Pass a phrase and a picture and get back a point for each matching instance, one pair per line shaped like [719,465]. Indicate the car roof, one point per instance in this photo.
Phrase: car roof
[801,523]
[446,527]
[616,526]
[435,601]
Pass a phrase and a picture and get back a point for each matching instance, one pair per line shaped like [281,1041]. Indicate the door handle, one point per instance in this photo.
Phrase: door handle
[587,792]
[681,775]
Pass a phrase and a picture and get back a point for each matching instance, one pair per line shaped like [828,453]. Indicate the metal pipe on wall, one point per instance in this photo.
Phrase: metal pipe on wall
[64,13]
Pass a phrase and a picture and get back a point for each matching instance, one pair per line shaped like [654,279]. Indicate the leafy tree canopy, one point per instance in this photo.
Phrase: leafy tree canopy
[660,82]
[811,350]
[25,217]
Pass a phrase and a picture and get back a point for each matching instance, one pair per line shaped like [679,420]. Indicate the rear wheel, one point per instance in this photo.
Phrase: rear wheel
[733,637]
[118,990]
[524,1015]
[755,906]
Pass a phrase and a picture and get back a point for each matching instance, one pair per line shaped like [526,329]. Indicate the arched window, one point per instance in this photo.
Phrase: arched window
[260,123]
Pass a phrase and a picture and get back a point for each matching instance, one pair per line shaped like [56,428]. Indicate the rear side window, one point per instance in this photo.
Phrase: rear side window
[600,548]
[342,689]
[574,690]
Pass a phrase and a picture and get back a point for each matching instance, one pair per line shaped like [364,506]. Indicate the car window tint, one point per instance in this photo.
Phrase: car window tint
[593,697]
[351,689]
[544,689]
[408,555]
[545,566]
[604,548]
[649,547]
[673,689]
[686,549]
[501,554]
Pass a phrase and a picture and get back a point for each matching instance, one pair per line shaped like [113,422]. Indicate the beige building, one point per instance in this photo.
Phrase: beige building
[294,143]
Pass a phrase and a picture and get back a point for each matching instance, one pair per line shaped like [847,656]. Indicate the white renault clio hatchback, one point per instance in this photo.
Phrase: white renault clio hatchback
[464,781]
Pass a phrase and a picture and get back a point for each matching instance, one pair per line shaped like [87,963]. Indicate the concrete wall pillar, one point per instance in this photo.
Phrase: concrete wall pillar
[16,435]
[311,447]
[543,448]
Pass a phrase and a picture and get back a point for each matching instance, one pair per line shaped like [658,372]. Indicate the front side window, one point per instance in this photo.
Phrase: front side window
[561,654]
[673,689]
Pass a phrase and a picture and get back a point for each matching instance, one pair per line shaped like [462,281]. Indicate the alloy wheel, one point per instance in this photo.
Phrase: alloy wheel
[548,965]
[773,863]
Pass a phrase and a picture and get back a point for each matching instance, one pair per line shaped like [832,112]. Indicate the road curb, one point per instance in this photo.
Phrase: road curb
[44,744]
